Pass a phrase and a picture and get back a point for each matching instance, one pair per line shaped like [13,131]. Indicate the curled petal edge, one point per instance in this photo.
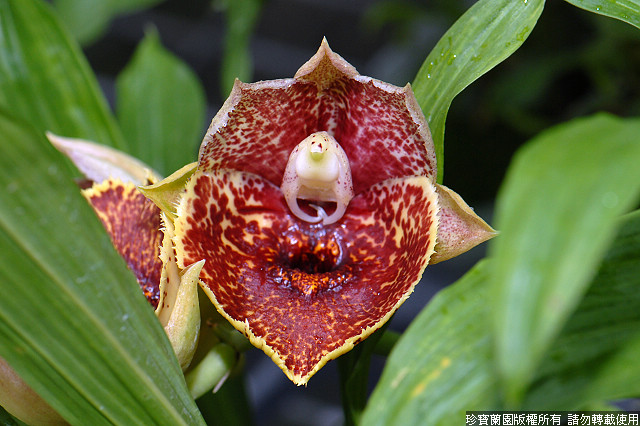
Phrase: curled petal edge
[167,192]
[179,310]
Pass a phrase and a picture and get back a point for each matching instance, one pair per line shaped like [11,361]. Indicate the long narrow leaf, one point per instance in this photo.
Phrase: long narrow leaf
[443,364]
[488,33]
[241,18]
[73,321]
[557,213]
[595,357]
[45,80]
[74,14]
[161,107]
[624,10]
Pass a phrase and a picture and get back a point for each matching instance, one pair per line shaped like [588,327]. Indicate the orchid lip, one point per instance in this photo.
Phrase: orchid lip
[318,171]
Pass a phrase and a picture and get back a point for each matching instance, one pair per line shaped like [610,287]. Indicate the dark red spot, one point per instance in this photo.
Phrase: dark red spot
[133,224]
[296,283]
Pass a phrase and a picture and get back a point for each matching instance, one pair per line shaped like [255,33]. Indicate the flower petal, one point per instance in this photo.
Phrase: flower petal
[305,293]
[166,193]
[460,228]
[99,162]
[178,310]
[261,123]
[133,223]
[183,326]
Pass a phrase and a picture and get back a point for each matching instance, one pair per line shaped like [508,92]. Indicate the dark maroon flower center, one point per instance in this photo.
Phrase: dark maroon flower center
[312,261]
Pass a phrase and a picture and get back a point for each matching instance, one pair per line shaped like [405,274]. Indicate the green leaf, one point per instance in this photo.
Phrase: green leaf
[353,368]
[229,405]
[161,107]
[443,365]
[73,321]
[620,377]
[557,212]
[75,13]
[45,80]
[624,10]
[488,33]
[241,18]
[7,419]
[594,359]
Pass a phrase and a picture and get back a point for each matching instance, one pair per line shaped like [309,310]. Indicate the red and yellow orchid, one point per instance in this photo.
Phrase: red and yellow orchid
[315,209]
[309,218]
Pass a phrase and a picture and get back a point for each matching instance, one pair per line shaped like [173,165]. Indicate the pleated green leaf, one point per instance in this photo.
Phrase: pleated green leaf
[160,107]
[444,364]
[557,213]
[488,33]
[619,378]
[595,357]
[75,13]
[45,80]
[353,368]
[73,321]
[624,10]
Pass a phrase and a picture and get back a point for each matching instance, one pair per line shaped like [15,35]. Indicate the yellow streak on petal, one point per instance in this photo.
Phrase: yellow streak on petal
[170,278]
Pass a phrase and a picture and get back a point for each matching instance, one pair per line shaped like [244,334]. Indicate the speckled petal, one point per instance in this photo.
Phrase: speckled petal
[305,293]
[133,224]
[378,124]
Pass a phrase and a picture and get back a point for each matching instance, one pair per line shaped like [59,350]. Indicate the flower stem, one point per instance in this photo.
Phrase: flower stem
[353,369]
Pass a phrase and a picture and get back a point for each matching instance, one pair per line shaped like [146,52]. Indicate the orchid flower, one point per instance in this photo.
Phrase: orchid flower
[315,209]
[309,218]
